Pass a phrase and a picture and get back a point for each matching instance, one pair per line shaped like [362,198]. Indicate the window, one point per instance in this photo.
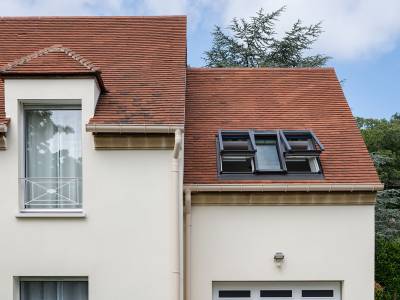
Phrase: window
[275,293]
[53,160]
[53,289]
[276,152]
[302,152]
[237,152]
[317,293]
[234,294]
[268,153]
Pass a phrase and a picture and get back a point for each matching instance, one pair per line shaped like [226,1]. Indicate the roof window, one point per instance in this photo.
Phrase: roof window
[237,151]
[275,152]
[302,151]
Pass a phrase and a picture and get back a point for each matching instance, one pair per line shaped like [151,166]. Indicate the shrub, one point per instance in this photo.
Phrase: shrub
[387,269]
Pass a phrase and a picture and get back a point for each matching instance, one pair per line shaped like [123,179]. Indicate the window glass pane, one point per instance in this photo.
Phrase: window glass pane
[317,293]
[275,293]
[237,164]
[54,290]
[236,143]
[298,165]
[74,290]
[234,294]
[53,158]
[267,154]
[36,290]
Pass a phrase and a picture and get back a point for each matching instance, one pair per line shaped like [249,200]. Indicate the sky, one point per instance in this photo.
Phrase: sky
[361,36]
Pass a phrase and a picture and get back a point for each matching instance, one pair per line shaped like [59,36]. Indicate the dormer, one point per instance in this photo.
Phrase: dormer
[44,76]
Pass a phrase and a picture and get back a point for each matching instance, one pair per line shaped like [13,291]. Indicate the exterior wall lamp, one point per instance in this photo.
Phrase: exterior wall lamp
[279,258]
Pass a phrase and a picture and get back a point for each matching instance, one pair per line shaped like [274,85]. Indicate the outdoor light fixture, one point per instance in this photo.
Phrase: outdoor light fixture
[278,259]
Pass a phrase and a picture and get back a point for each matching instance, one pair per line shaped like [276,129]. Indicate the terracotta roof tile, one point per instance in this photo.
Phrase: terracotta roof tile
[265,99]
[143,64]
[142,59]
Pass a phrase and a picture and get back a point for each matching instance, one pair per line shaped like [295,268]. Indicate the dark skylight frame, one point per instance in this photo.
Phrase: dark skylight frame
[296,147]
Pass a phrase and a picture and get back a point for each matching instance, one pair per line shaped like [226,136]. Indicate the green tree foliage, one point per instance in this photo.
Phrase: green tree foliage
[387,269]
[254,43]
[383,142]
[387,214]
[382,138]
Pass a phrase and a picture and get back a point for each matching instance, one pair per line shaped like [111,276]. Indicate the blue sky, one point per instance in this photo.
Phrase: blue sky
[362,36]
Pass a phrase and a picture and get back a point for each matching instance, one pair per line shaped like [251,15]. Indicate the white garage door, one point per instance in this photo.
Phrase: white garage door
[276,290]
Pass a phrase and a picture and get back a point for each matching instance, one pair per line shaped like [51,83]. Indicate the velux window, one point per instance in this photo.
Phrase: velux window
[269,152]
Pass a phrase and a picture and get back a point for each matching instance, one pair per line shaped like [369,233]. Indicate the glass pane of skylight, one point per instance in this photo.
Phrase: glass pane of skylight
[267,155]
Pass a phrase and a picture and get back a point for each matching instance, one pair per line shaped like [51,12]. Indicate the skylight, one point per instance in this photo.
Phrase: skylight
[279,152]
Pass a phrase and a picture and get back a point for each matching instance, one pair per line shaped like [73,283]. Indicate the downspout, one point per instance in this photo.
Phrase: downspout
[177,178]
[188,245]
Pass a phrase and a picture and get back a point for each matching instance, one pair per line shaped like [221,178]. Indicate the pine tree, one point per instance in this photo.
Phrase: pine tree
[255,43]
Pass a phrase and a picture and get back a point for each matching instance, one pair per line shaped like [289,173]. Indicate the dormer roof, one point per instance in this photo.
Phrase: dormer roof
[55,59]
[51,61]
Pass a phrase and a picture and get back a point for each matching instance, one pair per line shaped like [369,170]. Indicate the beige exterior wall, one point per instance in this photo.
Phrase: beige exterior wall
[320,243]
[126,245]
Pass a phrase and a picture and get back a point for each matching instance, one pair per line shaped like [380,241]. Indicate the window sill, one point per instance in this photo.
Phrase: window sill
[51,214]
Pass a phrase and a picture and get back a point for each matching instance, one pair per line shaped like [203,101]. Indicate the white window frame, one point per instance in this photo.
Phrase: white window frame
[22,211]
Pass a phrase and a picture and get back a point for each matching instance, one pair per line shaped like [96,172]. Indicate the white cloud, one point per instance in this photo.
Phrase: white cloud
[60,7]
[353,29]
[167,7]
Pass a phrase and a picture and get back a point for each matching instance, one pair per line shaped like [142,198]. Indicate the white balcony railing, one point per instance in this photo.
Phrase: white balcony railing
[52,192]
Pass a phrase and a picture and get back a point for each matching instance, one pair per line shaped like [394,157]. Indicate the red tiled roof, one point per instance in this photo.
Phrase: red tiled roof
[142,59]
[265,99]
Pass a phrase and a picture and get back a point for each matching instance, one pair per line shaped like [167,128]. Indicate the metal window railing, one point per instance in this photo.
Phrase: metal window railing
[52,192]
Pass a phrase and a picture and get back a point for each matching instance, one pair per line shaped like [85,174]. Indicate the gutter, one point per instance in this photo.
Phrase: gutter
[283,187]
[133,128]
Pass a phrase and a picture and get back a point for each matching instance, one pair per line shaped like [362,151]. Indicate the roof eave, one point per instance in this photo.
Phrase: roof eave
[133,128]
[288,187]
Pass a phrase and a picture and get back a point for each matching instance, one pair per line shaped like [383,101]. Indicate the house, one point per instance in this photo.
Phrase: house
[125,174]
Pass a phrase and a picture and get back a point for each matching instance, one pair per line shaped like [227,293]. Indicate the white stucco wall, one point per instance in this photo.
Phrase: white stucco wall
[127,243]
[320,243]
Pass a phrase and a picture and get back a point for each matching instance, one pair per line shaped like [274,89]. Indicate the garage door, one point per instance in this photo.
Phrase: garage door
[276,290]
